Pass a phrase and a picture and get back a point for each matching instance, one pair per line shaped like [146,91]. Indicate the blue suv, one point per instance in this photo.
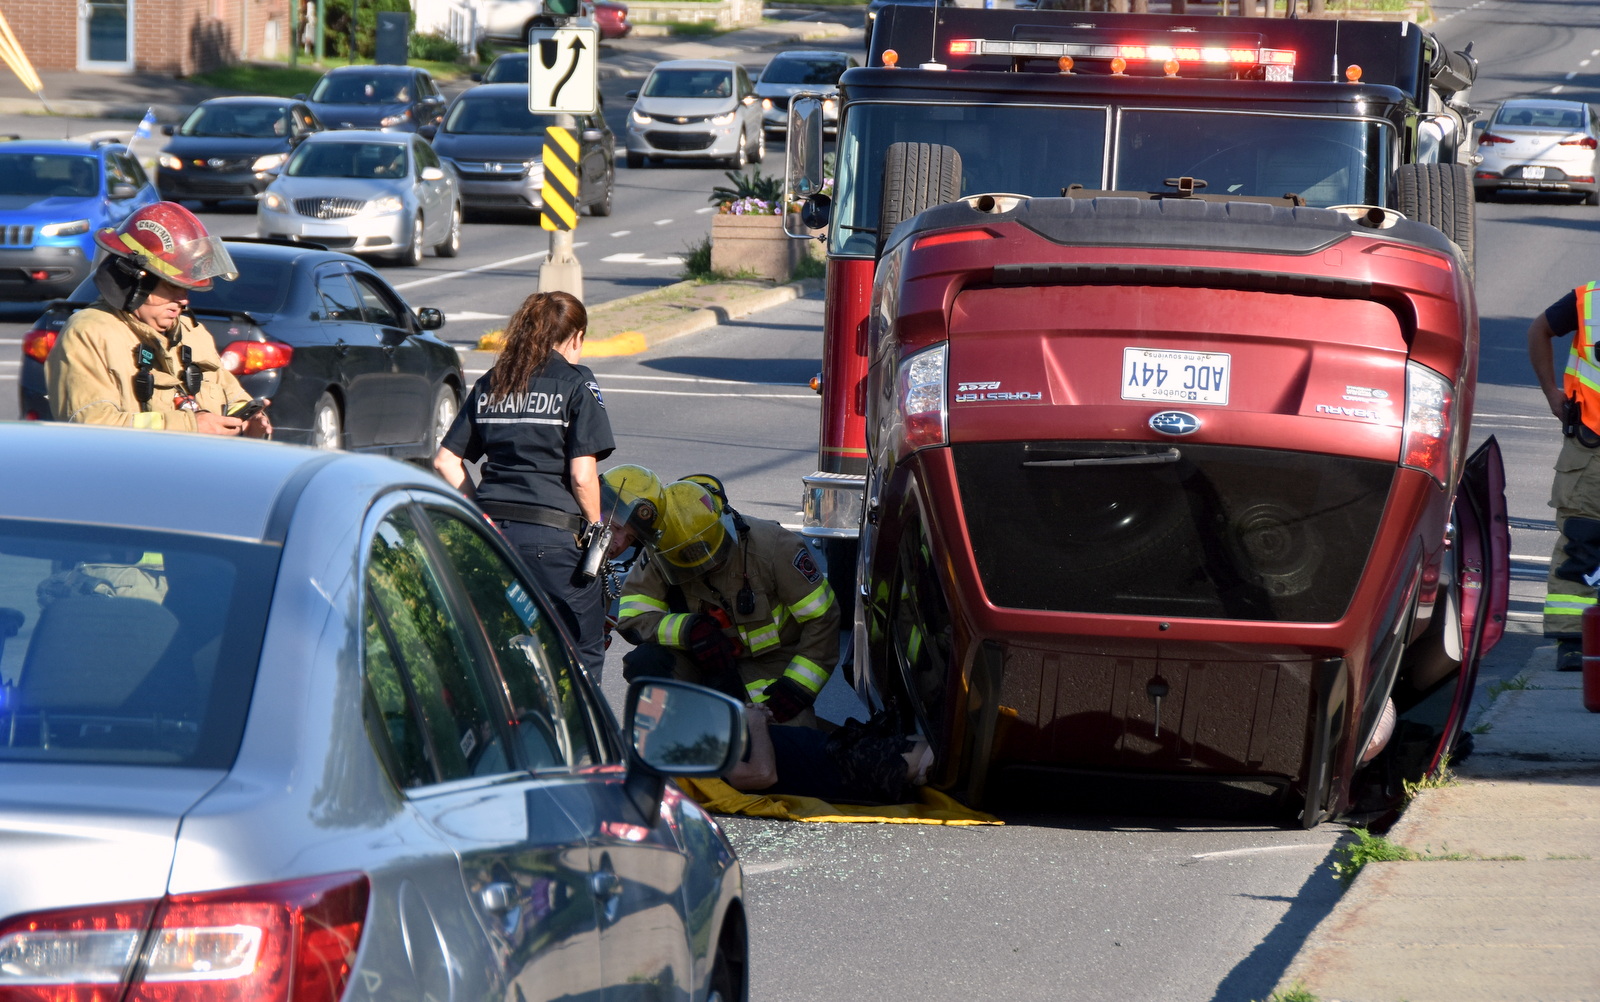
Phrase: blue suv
[53,196]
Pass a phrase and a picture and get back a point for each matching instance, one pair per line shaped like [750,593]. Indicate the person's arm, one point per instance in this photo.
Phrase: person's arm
[759,770]
[1541,355]
[584,475]
[453,469]
[85,388]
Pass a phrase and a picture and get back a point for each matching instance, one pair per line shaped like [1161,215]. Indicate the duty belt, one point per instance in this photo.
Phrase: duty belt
[537,514]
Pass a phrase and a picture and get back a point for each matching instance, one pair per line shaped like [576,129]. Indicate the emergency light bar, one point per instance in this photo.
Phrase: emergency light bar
[1278,63]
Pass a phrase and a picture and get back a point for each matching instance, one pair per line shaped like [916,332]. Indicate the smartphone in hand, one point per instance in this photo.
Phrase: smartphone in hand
[249,409]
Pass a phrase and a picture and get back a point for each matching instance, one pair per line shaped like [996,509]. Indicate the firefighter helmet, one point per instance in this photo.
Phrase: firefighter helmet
[166,241]
[697,534]
[713,486]
[631,499]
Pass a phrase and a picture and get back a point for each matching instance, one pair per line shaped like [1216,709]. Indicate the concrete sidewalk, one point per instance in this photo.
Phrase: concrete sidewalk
[1504,906]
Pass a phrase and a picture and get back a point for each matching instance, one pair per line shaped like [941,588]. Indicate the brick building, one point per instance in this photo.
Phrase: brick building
[175,37]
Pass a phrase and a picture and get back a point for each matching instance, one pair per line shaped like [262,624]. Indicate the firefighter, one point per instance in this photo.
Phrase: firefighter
[733,602]
[135,358]
[630,499]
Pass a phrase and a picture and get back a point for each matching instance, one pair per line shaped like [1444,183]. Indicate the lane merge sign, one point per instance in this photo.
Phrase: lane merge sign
[564,70]
[560,191]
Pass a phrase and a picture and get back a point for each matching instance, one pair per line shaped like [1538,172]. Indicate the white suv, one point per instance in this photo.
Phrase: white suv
[511,19]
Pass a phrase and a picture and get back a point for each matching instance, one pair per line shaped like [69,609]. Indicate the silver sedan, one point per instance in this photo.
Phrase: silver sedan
[323,739]
[1539,144]
[380,193]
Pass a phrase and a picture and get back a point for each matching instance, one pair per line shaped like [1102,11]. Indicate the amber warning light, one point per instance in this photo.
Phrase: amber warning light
[1275,64]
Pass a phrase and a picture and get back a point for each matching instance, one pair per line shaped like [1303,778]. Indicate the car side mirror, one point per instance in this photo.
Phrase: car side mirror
[476,77]
[802,174]
[428,132]
[123,190]
[299,97]
[815,211]
[677,728]
[632,95]
[432,174]
[169,130]
[430,319]
[591,135]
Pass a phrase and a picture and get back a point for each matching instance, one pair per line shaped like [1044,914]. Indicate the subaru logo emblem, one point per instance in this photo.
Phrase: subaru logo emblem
[1174,423]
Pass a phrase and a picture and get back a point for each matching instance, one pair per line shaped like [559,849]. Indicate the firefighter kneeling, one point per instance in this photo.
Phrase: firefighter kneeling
[731,602]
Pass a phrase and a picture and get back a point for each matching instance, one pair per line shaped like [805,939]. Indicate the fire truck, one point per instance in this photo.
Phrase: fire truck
[1147,372]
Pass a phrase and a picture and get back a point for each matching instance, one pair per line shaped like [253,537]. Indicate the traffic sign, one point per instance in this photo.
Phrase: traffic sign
[563,70]
[560,191]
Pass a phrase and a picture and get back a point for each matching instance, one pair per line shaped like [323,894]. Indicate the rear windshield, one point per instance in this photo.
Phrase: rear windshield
[689,83]
[1540,116]
[354,88]
[819,72]
[242,121]
[127,648]
[49,174]
[511,68]
[504,115]
[261,287]
[374,160]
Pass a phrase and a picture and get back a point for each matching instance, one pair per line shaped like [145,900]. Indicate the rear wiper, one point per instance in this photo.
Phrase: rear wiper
[1132,459]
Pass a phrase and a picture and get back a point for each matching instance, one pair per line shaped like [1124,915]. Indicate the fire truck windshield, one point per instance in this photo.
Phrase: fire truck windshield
[1039,150]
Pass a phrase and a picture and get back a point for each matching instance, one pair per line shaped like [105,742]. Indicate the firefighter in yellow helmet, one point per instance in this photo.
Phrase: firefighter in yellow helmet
[631,498]
[733,602]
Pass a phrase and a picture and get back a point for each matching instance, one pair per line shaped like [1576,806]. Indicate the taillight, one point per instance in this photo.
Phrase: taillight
[1490,139]
[244,357]
[1425,444]
[951,237]
[920,395]
[36,344]
[1586,142]
[288,942]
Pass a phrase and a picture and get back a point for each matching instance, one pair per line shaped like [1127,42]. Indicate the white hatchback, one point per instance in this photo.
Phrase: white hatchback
[1538,144]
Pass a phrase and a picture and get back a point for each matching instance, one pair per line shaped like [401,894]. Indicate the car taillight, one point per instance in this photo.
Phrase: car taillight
[1586,142]
[1426,441]
[1490,139]
[920,385]
[244,357]
[36,344]
[288,942]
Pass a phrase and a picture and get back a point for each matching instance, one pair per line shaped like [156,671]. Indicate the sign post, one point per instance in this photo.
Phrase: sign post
[563,80]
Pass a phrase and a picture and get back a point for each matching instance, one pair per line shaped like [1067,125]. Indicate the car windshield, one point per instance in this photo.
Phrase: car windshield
[43,175]
[818,72]
[355,88]
[375,160]
[501,115]
[512,68]
[125,647]
[1029,150]
[1535,116]
[689,83]
[244,121]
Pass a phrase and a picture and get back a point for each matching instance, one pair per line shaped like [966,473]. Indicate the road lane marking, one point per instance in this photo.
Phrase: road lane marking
[491,266]
[709,208]
[1572,74]
[637,258]
[698,379]
[756,869]
[614,390]
[1257,850]
[621,233]
[469,315]
[663,222]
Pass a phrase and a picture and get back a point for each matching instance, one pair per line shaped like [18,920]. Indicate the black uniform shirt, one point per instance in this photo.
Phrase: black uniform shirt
[527,438]
[1562,316]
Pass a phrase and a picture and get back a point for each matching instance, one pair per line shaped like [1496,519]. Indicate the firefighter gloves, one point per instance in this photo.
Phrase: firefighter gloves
[787,700]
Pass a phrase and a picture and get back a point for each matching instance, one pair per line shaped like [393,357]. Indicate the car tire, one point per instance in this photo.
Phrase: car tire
[602,207]
[1441,196]
[209,206]
[452,241]
[635,160]
[761,147]
[916,176]
[730,965]
[446,405]
[412,255]
[327,424]
[741,155]
[1592,198]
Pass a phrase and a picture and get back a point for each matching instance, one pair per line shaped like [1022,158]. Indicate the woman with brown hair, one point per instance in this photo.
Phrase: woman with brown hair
[538,422]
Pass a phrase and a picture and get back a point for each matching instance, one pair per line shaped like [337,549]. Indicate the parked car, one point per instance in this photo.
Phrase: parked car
[1539,144]
[703,109]
[53,196]
[496,146]
[326,740]
[368,193]
[392,98]
[231,147]
[611,17]
[345,361]
[812,71]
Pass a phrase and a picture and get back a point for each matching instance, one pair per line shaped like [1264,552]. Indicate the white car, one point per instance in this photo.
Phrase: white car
[380,193]
[798,70]
[1539,144]
[696,109]
[512,19]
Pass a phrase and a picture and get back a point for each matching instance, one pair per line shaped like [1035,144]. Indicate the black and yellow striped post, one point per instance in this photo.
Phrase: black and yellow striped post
[560,191]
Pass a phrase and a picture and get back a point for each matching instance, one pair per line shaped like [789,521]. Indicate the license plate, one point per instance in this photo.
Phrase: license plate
[322,230]
[1533,173]
[1195,377]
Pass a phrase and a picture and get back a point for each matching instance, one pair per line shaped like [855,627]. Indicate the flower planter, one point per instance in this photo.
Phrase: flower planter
[754,244]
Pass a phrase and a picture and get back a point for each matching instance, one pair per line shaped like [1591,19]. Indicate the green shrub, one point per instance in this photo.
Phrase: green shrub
[809,267]
[434,48]
[697,259]
[336,22]
[755,185]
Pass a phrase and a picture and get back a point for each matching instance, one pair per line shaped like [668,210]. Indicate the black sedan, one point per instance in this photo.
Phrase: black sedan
[345,361]
[391,98]
[231,147]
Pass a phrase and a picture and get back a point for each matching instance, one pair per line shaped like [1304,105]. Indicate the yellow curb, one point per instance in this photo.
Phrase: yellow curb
[626,343]
[492,341]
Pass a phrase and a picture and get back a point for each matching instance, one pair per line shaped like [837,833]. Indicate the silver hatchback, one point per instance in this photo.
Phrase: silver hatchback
[701,109]
[325,740]
[381,193]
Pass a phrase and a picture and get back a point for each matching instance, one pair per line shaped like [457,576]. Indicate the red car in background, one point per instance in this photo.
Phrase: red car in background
[611,17]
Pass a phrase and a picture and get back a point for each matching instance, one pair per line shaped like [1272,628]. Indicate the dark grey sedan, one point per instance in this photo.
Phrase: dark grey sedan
[231,147]
[391,98]
[325,741]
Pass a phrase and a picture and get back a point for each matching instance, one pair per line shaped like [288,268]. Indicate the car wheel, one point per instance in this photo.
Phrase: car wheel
[603,206]
[452,242]
[327,430]
[761,147]
[635,160]
[740,156]
[1437,194]
[412,255]
[729,967]
[445,407]
[1592,198]
[916,176]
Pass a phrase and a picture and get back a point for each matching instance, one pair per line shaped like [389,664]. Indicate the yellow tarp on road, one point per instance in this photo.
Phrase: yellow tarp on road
[934,808]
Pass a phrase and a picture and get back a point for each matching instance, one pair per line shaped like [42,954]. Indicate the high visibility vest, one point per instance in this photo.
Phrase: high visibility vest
[1582,378]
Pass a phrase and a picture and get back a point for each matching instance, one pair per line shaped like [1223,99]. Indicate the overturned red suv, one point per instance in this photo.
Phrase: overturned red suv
[1170,486]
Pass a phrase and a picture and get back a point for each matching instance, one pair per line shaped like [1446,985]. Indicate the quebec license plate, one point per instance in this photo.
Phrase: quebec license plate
[1195,377]
[1533,173]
